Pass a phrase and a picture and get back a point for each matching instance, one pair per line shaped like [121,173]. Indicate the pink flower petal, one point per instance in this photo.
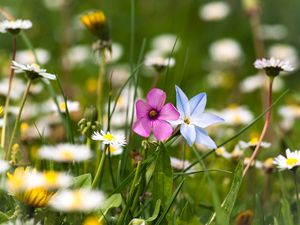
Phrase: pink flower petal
[142,127]
[168,112]
[142,109]
[161,129]
[156,98]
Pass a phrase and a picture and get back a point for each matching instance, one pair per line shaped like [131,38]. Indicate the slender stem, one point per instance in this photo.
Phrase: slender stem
[265,128]
[100,85]
[100,168]
[297,192]
[12,72]
[11,141]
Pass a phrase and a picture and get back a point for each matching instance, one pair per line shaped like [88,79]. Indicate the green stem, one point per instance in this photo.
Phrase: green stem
[100,168]
[8,153]
[130,196]
[297,192]
[12,71]
[100,85]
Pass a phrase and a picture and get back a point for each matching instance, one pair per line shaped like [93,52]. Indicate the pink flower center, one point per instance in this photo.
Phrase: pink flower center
[153,114]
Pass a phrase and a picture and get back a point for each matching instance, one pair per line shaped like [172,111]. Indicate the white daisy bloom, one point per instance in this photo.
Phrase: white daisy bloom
[179,164]
[56,180]
[82,200]
[65,153]
[258,81]
[14,26]
[225,51]
[291,160]
[253,142]
[236,115]
[33,71]
[114,150]
[27,56]
[237,153]
[256,163]
[4,166]
[273,66]
[222,152]
[73,106]
[159,62]
[214,11]
[285,52]
[108,138]
[166,43]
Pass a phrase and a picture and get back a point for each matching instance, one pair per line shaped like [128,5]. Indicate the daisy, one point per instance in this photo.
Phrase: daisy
[253,142]
[179,164]
[108,138]
[81,200]
[165,43]
[284,51]
[214,11]
[114,150]
[65,153]
[56,180]
[236,115]
[32,71]
[223,152]
[159,63]
[291,160]
[27,56]
[14,26]
[273,66]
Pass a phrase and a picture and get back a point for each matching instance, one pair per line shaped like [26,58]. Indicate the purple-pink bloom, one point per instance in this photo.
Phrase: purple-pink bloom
[154,115]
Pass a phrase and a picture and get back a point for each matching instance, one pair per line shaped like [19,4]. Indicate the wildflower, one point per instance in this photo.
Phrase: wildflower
[284,51]
[82,200]
[193,119]
[289,113]
[253,142]
[33,71]
[225,51]
[214,11]
[268,164]
[73,106]
[27,56]
[4,166]
[236,115]
[273,66]
[237,153]
[159,63]
[65,153]
[14,26]
[108,138]
[154,115]
[114,150]
[165,44]
[179,164]
[55,180]
[222,152]
[96,23]
[92,220]
[291,160]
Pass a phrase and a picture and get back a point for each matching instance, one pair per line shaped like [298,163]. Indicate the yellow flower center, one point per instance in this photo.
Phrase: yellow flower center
[24,127]
[152,114]
[63,106]
[187,121]
[109,137]
[219,151]
[51,177]
[112,149]
[291,161]
[67,154]
[254,140]
[92,221]
[37,197]
[77,200]
[237,118]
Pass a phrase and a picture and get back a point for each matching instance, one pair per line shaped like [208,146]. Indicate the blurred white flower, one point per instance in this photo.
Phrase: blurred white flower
[258,81]
[225,51]
[236,115]
[289,113]
[253,142]
[78,55]
[27,57]
[115,54]
[18,87]
[114,150]
[217,79]
[159,62]
[179,164]
[21,222]
[273,32]
[53,180]
[81,200]
[73,106]
[223,152]
[54,4]
[291,160]
[4,166]
[65,153]
[120,73]
[213,11]
[284,52]
[109,138]
[33,71]
[165,43]
[40,128]
[14,26]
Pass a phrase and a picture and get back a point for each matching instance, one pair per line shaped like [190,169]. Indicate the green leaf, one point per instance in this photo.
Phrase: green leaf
[259,213]
[230,199]
[82,181]
[3,217]
[113,201]
[162,177]
[156,211]
[286,212]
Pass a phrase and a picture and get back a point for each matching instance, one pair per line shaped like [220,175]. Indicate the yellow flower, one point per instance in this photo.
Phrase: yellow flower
[91,220]
[1,111]
[36,197]
[96,23]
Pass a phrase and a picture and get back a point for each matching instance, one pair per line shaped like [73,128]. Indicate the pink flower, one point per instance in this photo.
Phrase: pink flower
[154,115]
